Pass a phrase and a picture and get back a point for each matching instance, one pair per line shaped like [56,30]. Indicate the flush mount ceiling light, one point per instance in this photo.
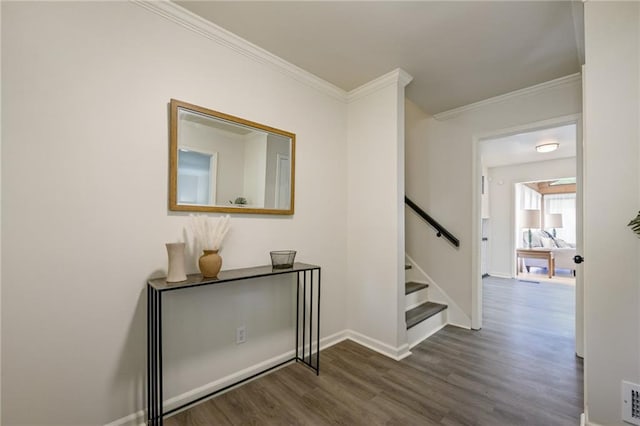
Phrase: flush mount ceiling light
[547,147]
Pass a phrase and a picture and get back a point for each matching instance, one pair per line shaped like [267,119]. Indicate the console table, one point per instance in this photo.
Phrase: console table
[308,276]
[539,253]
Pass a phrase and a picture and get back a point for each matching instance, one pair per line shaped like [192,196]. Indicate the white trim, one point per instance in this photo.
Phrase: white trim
[279,158]
[436,294]
[569,79]
[135,419]
[500,275]
[588,423]
[476,237]
[380,347]
[138,418]
[530,127]
[193,394]
[396,76]
[466,327]
[207,29]
[426,329]
[200,391]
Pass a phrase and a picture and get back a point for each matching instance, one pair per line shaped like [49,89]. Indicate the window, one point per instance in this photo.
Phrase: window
[564,204]
[529,198]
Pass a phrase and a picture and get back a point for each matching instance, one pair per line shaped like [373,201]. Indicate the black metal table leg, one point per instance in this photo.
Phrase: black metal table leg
[149,344]
[297,314]
[318,328]
[311,318]
[155,288]
[154,354]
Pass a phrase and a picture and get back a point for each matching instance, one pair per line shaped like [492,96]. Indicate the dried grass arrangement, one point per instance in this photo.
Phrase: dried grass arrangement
[209,232]
[635,224]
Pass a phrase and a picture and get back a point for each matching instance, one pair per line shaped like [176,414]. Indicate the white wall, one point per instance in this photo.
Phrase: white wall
[255,169]
[612,199]
[375,239]
[501,183]
[84,225]
[439,175]
[1,134]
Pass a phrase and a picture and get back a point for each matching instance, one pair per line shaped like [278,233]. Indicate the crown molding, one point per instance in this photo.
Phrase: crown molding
[398,76]
[187,19]
[569,79]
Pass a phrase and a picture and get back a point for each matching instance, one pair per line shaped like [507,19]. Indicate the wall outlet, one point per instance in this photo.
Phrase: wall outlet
[241,334]
[631,403]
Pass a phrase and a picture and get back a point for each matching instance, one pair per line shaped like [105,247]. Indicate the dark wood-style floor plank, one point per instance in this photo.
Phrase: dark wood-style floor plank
[520,369]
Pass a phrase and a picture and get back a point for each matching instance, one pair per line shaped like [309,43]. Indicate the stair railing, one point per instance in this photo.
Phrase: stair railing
[441,230]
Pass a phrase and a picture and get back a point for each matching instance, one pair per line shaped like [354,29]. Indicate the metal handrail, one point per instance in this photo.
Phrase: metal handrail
[441,230]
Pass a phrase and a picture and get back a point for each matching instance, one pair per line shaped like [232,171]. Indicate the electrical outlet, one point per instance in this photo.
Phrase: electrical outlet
[241,334]
[631,403]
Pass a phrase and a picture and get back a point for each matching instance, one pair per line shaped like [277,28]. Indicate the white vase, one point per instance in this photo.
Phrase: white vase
[176,272]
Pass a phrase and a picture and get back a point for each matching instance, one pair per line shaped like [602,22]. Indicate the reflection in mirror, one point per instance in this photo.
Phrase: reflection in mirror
[224,163]
[196,176]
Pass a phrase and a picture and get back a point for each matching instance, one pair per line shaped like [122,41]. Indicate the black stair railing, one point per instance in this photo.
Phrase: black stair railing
[441,230]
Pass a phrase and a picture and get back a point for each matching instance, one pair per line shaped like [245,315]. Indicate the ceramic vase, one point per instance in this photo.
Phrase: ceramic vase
[210,263]
[175,272]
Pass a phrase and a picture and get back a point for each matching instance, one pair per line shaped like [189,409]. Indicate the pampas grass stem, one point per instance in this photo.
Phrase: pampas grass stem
[209,232]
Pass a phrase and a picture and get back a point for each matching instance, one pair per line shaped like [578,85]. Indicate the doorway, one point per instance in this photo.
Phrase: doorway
[502,159]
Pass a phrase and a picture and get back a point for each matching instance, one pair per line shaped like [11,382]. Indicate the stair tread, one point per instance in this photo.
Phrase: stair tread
[420,313]
[407,267]
[412,287]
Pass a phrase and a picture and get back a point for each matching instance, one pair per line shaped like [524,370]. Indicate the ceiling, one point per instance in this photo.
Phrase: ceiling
[521,148]
[457,52]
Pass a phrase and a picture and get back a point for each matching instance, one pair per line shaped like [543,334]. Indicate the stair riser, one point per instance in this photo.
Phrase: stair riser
[426,328]
[417,298]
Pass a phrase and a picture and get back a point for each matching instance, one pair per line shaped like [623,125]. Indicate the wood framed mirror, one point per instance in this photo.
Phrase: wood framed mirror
[222,163]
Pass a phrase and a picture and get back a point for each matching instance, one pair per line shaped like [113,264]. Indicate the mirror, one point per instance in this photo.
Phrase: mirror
[222,163]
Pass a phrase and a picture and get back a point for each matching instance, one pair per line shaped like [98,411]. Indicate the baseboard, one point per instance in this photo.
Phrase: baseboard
[466,327]
[500,275]
[135,419]
[380,347]
[139,418]
[584,420]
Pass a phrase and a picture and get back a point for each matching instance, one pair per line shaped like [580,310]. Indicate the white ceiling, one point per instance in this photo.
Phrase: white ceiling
[457,52]
[521,148]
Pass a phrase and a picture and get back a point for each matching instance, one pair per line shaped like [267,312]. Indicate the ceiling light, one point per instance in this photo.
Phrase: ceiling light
[547,147]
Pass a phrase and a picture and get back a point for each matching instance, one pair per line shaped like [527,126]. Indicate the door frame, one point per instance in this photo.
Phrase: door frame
[476,226]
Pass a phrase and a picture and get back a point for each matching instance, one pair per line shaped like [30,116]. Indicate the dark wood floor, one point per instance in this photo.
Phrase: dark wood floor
[520,369]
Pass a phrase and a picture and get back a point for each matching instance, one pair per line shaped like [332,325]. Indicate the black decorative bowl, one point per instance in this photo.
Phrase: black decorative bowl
[282,259]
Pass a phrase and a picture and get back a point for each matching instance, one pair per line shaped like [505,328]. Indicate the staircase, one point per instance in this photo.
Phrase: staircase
[422,316]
